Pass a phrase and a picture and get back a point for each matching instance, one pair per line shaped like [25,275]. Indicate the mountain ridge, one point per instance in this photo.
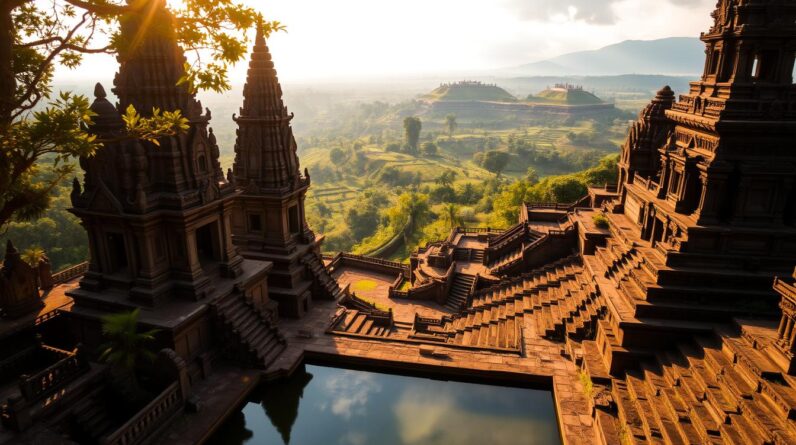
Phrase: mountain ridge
[678,56]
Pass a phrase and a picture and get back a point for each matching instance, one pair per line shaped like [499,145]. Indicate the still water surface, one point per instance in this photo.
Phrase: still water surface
[326,406]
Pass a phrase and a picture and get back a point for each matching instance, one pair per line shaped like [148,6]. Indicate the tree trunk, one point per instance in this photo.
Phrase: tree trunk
[8,82]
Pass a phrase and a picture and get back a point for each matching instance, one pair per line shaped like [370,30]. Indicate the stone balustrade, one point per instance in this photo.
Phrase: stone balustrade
[51,379]
[71,272]
[149,419]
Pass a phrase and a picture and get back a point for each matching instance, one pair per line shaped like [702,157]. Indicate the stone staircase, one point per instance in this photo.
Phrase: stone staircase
[360,322]
[511,260]
[90,419]
[251,334]
[500,334]
[690,290]
[559,300]
[468,255]
[326,287]
[478,256]
[460,291]
[718,389]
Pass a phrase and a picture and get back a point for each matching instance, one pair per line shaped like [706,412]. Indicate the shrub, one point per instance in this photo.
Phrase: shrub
[600,221]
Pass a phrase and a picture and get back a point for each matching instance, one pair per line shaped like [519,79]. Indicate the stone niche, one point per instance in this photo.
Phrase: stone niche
[19,290]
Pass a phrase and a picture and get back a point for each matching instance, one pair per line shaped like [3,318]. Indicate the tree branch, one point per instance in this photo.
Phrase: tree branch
[31,87]
[105,9]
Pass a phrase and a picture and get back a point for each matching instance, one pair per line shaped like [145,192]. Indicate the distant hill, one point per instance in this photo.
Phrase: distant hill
[565,96]
[671,56]
[469,91]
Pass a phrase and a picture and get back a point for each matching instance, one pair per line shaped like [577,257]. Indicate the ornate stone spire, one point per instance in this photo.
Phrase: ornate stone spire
[646,136]
[152,63]
[265,152]
[107,117]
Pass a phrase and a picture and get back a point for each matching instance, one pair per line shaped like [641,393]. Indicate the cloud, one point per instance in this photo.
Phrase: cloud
[349,393]
[597,12]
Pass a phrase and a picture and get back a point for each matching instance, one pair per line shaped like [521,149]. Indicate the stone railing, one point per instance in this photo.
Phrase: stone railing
[370,260]
[149,419]
[53,378]
[436,289]
[42,393]
[549,205]
[70,272]
[466,230]
[506,237]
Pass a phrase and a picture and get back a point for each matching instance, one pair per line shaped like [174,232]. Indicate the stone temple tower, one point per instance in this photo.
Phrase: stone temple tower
[709,223]
[158,216]
[269,222]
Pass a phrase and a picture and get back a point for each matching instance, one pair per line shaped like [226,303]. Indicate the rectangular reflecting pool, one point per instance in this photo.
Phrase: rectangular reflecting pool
[321,405]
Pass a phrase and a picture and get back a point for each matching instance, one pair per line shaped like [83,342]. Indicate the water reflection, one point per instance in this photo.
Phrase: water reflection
[322,405]
[281,402]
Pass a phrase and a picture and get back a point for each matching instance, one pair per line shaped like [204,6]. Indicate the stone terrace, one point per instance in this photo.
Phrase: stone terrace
[374,286]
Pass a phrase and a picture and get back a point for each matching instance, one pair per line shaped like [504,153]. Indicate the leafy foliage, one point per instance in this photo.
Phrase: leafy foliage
[563,189]
[412,127]
[125,345]
[495,161]
[600,221]
[450,124]
[38,35]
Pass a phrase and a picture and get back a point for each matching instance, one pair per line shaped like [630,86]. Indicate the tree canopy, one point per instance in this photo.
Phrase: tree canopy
[412,127]
[495,161]
[36,36]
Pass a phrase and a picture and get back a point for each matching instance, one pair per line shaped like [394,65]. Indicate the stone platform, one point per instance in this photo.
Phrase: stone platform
[542,363]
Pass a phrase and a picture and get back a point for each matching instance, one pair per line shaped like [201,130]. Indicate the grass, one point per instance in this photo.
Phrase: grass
[341,193]
[585,380]
[364,286]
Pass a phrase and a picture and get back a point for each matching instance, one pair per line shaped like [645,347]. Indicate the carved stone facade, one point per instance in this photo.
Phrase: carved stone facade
[158,216]
[721,195]
[269,221]
[645,137]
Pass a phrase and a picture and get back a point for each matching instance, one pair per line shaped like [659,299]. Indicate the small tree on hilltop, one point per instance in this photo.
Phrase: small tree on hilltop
[450,124]
[412,127]
[430,149]
[446,178]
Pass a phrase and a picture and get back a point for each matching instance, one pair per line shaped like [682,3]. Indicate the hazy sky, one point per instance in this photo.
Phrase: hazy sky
[329,39]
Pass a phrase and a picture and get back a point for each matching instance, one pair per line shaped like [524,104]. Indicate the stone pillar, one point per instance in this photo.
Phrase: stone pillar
[783,322]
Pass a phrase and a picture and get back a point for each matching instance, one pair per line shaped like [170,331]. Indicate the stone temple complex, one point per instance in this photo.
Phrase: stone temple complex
[659,310]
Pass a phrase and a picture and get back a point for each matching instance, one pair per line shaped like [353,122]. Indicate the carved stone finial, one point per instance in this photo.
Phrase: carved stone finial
[10,249]
[259,40]
[230,176]
[76,191]
[99,91]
